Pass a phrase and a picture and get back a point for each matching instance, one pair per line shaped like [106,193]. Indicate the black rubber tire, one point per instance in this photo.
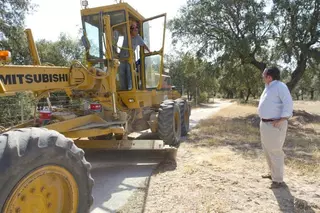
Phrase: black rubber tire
[167,129]
[184,108]
[24,150]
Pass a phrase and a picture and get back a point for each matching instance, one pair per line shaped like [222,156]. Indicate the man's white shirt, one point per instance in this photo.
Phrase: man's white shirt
[275,101]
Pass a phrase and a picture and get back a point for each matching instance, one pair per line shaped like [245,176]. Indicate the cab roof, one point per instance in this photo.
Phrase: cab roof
[113,7]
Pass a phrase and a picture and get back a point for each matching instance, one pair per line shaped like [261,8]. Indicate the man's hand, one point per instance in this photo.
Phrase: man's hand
[147,48]
[277,123]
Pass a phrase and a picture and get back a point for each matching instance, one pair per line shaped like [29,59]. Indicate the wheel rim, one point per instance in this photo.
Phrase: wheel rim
[47,189]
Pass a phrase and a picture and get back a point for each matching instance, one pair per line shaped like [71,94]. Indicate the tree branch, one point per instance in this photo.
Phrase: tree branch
[313,24]
[231,28]
[260,65]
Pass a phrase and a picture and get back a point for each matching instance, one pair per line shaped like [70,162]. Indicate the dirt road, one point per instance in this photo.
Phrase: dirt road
[118,176]
[205,110]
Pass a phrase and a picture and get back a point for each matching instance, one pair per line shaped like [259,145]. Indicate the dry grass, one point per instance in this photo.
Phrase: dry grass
[309,106]
[236,110]
[238,126]
[219,166]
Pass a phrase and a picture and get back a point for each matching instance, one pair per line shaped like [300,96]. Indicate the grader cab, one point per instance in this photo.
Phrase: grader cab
[42,166]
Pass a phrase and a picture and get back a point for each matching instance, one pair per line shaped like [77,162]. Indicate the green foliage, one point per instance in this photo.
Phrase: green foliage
[189,73]
[16,108]
[60,52]
[309,86]
[12,16]
[254,32]
[203,97]
[240,81]
[296,31]
[231,29]
[232,79]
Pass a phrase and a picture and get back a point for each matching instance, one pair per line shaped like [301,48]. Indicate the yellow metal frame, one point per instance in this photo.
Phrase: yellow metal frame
[161,52]
[134,98]
[111,8]
[92,82]
[2,88]
[32,48]
[85,126]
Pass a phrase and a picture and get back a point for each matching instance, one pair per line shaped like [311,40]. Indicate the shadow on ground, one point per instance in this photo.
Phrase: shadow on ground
[242,135]
[118,174]
[288,203]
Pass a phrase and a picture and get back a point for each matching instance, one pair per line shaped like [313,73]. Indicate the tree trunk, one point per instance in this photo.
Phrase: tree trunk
[241,95]
[260,65]
[248,95]
[312,94]
[298,72]
[297,95]
[230,95]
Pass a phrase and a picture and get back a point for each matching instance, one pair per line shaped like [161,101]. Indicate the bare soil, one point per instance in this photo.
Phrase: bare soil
[219,167]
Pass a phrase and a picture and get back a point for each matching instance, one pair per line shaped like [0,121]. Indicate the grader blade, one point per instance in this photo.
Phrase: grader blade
[149,149]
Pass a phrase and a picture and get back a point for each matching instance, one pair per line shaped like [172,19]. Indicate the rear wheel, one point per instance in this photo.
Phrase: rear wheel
[169,123]
[185,114]
[43,171]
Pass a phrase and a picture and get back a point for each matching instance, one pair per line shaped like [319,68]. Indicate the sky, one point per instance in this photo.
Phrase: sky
[50,18]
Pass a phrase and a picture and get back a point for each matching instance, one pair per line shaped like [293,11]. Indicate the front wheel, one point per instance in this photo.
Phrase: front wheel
[185,110]
[169,123]
[43,171]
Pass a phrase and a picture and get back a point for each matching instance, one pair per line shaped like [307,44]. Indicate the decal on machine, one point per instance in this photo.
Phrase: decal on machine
[33,78]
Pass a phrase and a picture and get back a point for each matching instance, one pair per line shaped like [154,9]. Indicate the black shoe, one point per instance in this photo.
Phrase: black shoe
[276,185]
[267,176]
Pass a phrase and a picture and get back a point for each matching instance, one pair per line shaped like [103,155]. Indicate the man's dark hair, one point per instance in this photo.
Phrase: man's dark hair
[274,72]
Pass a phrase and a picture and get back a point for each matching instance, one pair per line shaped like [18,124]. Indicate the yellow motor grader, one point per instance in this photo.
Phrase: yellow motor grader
[42,164]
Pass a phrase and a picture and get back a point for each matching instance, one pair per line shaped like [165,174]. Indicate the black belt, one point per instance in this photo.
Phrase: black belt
[267,120]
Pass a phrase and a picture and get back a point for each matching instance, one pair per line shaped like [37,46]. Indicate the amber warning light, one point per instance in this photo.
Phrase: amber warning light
[5,55]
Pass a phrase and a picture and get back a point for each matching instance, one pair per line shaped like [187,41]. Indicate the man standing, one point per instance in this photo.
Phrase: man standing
[125,71]
[275,108]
